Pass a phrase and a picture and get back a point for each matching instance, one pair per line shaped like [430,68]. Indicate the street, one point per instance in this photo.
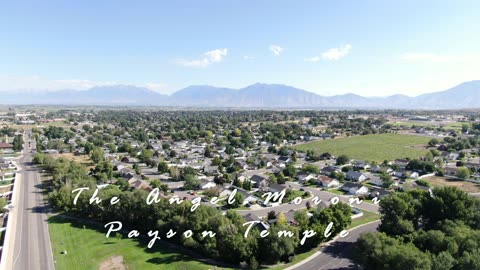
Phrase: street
[29,245]
[337,254]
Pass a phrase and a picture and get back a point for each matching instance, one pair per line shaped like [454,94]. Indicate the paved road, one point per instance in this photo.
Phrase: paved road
[338,254]
[30,238]
[322,195]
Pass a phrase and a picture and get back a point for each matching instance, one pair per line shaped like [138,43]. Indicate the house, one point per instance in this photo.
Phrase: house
[326,181]
[406,174]
[473,163]
[379,193]
[260,225]
[276,188]
[361,165]
[289,216]
[402,163]
[375,180]
[304,177]
[129,160]
[380,169]
[450,156]
[259,181]
[451,170]
[355,189]
[284,159]
[329,170]
[5,146]
[442,148]
[210,169]
[205,184]
[326,156]
[137,183]
[322,205]
[356,176]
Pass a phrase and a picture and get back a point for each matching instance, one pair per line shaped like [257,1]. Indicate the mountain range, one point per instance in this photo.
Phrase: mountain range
[465,95]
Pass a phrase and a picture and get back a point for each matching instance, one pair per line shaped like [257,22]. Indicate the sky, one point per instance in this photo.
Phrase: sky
[370,48]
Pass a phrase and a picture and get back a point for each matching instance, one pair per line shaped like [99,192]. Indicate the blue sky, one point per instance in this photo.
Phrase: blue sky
[372,48]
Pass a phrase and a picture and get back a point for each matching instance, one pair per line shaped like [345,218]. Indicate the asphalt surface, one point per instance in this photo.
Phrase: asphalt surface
[30,237]
[338,254]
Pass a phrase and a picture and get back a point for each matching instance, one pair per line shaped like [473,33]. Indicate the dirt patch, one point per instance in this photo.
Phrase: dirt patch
[113,263]
[438,181]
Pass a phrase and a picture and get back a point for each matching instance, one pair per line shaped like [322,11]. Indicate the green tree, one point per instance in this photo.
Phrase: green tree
[387,180]
[342,160]
[191,182]
[239,198]
[463,173]
[97,155]
[162,167]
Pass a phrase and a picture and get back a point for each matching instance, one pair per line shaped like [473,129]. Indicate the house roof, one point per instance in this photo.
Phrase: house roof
[354,174]
[252,217]
[350,185]
[277,187]
[5,145]
[257,178]
[325,179]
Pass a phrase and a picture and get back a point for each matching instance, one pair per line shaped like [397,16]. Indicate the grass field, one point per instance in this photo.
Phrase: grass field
[418,124]
[437,181]
[82,159]
[377,147]
[88,248]
[366,218]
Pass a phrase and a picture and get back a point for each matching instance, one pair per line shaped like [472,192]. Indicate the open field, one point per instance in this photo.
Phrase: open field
[377,147]
[413,123]
[438,181]
[82,159]
[431,124]
[88,248]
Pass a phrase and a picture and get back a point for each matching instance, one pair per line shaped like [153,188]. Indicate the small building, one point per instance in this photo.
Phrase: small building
[356,176]
[329,182]
[355,189]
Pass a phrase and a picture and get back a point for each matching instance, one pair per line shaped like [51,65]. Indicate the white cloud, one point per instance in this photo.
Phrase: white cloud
[276,50]
[337,53]
[331,54]
[210,57]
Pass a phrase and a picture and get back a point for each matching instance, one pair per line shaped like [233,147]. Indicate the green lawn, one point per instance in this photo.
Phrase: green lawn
[413,123]
[88,247]
[367,217]
[6,182]
[377,147]
[456,126]
[336,191]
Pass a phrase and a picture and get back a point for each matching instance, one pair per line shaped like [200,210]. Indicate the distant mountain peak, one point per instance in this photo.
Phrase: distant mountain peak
[464,95]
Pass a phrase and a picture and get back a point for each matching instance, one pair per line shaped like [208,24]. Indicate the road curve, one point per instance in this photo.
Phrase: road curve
[337,255]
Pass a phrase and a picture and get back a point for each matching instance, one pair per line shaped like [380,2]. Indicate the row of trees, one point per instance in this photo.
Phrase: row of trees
[424,231]
[229,243]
